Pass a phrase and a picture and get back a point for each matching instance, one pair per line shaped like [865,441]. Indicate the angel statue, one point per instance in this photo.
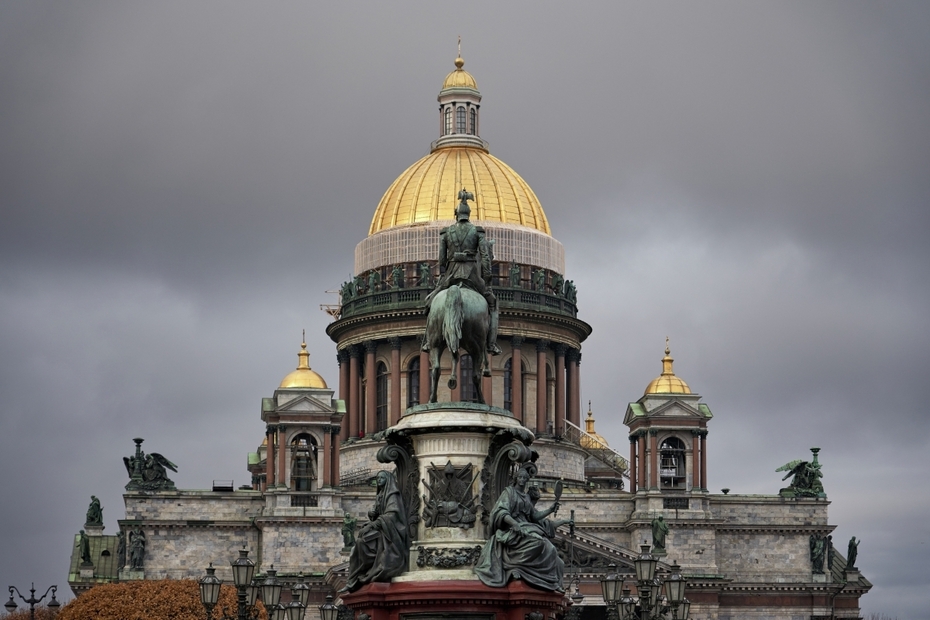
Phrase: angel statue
[148,472]
[806,478]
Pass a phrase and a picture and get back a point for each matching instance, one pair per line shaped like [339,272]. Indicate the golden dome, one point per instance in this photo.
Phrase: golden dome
[592,439]
[667,382]
[427,191]
[303,377]
[460,78]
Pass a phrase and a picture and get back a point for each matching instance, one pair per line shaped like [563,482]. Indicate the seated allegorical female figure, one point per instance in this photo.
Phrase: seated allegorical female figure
[519,545]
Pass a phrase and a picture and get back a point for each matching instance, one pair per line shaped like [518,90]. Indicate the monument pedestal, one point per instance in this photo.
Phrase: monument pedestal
[454,600]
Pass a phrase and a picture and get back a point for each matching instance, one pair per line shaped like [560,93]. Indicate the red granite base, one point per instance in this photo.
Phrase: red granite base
[469,600]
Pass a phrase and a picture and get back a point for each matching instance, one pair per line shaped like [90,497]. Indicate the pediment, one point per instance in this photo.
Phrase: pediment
[305,404]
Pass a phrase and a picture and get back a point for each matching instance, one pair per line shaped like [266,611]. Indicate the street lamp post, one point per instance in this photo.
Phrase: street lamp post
[328,611]
[243,570]
[655,601]
[32,601]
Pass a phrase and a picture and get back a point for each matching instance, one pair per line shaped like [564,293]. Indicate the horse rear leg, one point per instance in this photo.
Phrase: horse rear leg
[453,380]
[435,354]
[477,380]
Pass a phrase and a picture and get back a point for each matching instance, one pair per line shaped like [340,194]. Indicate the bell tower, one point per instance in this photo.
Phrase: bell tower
[668,442]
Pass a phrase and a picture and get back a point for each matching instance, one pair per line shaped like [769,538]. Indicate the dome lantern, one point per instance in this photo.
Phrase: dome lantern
[459,102]
[303,376]
[667,382]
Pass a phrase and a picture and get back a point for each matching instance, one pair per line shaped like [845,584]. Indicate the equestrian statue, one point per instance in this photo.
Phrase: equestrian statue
[462,310]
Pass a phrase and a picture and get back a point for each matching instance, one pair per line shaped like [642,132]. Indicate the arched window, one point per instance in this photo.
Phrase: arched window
[447,125]
[467,379]
[460,120]
[413,382]
[473,125]
[509,387]
[381,409]
[303,462]
[672,467]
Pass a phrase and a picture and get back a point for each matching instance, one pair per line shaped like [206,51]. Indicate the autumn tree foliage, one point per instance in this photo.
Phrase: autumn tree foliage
[148,600]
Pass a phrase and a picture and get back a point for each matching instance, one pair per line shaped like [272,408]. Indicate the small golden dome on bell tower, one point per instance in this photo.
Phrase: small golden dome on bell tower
[304,376]
[667,382]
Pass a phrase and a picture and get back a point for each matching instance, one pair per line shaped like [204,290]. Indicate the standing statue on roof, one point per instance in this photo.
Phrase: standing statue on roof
[94,512]
[465,259]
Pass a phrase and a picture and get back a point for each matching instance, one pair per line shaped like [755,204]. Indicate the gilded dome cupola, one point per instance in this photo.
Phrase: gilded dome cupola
[667,382]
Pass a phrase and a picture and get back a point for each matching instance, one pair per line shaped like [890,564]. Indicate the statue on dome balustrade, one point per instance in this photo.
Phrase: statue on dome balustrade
[806,481]
[514,275]
[374,279]
[557,284]
[426,275]
[539,280]
[397,277]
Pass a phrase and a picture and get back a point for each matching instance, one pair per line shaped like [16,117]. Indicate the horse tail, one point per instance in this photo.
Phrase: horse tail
[452,321]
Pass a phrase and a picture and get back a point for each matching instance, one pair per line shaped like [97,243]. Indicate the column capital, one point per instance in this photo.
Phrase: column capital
[572,355]
[695,432]
[542,345]
[371,346]
[342,356]
[355,351]
[395,342]
[653,432]
[702,433]
[560,349]
[270,429]
[516,342]
[282,428]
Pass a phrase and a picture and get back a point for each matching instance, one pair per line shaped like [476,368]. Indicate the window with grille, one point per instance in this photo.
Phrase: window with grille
[447,126]
[460,120]
[467,381]
[381,409]
[413,382]
[473,125]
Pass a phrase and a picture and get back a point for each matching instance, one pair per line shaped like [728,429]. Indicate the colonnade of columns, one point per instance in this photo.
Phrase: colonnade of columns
[276,464]
[639,470]
[361,416]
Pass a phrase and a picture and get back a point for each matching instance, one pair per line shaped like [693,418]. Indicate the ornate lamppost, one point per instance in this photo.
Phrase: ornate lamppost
[243,570]
[328,611]
[650,603]
[32,601]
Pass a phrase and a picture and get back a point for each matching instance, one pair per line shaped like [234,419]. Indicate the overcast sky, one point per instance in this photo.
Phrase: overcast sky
[180,184]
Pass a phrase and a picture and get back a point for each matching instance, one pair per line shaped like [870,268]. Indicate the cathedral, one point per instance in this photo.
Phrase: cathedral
[312,473]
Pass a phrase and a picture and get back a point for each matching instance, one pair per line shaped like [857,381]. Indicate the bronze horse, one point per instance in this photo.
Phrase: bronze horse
[458,318]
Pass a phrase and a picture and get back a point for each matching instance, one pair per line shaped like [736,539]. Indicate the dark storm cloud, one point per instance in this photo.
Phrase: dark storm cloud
[180,184]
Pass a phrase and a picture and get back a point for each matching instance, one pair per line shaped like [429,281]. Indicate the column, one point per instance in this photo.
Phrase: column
[354,392]
[394,413]
[695,460]
[572,357]
[487,390]
[704,460]
[642,460]
[633,442]
[269,456]
[327,456]
[559,409]
[371,391]
[541,346]
[424,377]
[335,457]
[282,456]
[516,378]
[342,356]
[653,460]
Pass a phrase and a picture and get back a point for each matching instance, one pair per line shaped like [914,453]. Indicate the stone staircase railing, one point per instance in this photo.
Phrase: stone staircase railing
[592,446]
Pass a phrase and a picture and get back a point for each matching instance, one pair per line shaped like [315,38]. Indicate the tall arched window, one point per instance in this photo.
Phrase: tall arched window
[509,387]
[413,382]
[447,125]
[467,379]
[303,462]
[381,410]
[460,120]
[672,463]
[473,125]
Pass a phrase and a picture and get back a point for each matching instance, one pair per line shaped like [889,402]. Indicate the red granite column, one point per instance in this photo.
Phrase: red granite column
[424,377]
[642,460]
[704,460]
[394,414]
[269,456]
[560,389]
[695,460]
[487,389]
[282,456]
[633,441]
[327,456]
[573,358]
[653,460]
[344,387]
[335,466]
[541,346]
[354,422]
[516,379]
[371,389]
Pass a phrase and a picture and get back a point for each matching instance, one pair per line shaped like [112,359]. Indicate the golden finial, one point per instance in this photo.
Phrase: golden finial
[667,350]
[303,337]
[667,360]
[303,357]
[590,413]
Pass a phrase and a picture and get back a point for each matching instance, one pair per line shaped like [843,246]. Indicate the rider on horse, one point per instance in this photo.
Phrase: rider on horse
[465,258]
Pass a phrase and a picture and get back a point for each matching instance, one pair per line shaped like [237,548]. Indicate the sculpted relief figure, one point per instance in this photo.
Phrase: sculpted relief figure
[465,259]
[381,547]
[520,546]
